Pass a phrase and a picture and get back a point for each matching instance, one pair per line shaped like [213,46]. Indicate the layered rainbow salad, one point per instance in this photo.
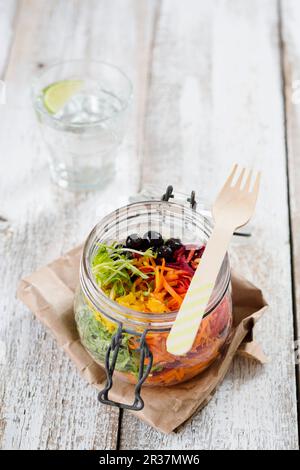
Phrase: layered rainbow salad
[151,275]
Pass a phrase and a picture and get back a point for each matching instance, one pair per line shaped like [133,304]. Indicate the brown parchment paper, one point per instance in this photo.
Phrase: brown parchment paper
[49,294]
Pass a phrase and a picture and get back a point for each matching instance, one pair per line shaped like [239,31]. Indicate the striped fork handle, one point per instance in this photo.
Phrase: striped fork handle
[189,317]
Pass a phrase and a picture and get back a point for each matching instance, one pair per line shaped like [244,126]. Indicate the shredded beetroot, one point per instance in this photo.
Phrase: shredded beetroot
[182,265]
[181,259]
[199,252]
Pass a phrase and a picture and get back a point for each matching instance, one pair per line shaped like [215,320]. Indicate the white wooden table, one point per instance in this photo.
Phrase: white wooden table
[215,83]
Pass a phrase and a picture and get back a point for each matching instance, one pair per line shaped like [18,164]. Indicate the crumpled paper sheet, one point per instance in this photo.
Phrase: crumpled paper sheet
[49,294]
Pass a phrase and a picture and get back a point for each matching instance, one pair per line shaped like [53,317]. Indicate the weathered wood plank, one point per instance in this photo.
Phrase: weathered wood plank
[44,403]
[214,99]
[290,17]
[8,10]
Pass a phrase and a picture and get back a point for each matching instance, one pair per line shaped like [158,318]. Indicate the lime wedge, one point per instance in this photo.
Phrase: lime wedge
[57,94]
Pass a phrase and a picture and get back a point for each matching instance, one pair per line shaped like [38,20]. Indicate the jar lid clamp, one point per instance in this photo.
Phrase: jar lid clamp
[144,370]
[169,194]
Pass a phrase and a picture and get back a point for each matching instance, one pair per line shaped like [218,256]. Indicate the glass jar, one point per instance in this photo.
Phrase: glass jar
[141,337]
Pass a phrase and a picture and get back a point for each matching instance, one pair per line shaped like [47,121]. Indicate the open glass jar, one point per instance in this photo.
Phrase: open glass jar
[132,344]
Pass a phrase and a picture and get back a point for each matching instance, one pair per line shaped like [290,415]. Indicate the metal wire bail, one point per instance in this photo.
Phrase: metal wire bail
[110,363]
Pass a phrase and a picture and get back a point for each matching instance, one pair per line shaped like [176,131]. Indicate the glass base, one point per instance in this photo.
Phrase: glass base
[87,179]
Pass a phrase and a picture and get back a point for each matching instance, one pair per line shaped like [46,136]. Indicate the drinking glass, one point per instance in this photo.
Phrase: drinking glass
[82,109]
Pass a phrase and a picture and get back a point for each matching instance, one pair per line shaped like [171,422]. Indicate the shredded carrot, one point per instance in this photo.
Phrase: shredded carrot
[171,276]
[137,282]
[172,292]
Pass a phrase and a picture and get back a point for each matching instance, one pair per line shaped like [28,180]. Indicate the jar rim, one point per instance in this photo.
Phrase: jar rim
[114,310]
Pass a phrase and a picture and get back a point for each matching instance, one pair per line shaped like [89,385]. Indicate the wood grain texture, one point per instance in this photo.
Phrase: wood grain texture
[290,17]
[8,12]
[43,401]
[215,98]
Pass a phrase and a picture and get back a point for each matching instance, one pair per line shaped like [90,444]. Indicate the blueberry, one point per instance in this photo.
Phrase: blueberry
[174,243]
[145,244]
[134,241]
[154,238]
[165,252]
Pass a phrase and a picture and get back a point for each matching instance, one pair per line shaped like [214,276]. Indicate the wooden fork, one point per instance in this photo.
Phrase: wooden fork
[232,209]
